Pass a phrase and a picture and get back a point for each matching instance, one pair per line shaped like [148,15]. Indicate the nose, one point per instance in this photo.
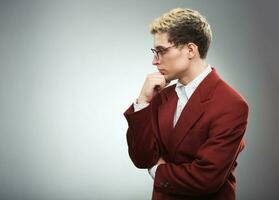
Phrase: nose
[155,61]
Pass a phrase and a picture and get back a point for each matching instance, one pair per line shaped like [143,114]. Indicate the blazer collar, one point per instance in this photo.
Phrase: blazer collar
[205,88]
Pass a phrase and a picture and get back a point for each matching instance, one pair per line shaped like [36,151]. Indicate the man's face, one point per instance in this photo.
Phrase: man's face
[173,62]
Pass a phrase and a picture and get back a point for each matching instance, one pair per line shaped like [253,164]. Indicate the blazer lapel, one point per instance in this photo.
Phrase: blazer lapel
[189,115]
[192,112]
[166,113]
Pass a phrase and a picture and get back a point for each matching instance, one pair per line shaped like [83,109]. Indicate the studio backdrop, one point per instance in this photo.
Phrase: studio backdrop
[69,69]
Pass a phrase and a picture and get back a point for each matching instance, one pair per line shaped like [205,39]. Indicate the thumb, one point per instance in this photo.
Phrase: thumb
[165,85]
[159,88]
[167,82]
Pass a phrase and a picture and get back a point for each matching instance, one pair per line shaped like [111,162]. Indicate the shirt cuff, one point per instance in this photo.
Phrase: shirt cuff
[152,171]
[139,106]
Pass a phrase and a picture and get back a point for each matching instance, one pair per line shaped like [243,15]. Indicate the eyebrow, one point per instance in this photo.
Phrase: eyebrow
[159,47]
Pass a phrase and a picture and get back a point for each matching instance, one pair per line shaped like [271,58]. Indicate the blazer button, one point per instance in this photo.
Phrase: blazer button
[164,184]
[167,184]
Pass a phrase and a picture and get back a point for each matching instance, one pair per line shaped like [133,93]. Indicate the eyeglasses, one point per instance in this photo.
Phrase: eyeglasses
[160,52]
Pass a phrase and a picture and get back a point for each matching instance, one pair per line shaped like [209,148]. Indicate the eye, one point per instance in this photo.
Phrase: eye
[162,51]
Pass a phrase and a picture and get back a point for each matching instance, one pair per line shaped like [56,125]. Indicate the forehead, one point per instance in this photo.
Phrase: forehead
[161,40]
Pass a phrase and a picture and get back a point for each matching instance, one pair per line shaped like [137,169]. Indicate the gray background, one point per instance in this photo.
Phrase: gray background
[69,69]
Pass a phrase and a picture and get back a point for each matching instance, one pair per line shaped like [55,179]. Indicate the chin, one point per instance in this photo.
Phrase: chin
[169,78]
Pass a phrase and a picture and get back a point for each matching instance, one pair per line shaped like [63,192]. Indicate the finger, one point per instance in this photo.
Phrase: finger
[157,75]
[159,82]
[159,78]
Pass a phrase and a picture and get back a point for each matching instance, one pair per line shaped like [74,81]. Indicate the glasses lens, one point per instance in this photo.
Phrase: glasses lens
[156,55]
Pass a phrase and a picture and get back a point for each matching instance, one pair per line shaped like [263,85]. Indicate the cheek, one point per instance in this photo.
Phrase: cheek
[175,63]
[179,64]
[175,69]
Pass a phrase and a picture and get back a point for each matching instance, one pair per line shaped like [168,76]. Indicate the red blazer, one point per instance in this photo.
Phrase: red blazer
[200,151]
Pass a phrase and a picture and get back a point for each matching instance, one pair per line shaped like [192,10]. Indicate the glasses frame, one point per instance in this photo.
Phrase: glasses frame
[161,52]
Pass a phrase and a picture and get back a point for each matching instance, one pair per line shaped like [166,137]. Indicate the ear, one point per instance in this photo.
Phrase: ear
[192,50]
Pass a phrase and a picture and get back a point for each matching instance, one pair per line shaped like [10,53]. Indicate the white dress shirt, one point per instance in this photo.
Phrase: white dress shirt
[184,92]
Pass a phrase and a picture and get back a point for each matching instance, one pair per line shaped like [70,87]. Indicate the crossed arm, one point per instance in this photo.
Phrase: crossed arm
[152,170]
[214,160]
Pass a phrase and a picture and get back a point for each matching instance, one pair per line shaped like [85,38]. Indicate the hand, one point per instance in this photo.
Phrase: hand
[153,84]
[152,170]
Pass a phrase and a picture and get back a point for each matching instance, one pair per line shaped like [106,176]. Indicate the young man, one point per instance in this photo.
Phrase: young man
[188,135]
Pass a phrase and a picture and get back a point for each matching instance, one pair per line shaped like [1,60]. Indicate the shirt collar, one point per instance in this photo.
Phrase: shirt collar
[192,85]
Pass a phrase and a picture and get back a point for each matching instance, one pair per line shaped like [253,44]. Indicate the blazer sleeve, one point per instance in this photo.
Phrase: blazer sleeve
[143,147]
[215,158]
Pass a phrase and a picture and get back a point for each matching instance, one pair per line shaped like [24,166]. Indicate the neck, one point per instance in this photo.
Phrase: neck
[195,68]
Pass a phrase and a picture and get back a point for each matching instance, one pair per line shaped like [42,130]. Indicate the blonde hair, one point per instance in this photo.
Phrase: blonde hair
[184,26]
